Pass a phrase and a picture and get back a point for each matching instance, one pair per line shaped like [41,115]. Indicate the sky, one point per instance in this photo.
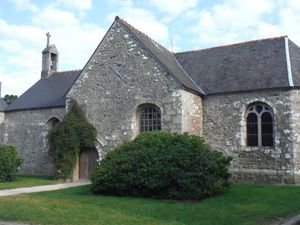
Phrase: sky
[77,27]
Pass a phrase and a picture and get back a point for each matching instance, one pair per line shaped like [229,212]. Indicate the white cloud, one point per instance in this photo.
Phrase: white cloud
[10,45]
[234,21]
[18,71]
[144,21]
[22,45]
[174,7]
[52,17]
[74,39]
[18,81]
[25,5]
[20,60]
[25,35]
[76,4]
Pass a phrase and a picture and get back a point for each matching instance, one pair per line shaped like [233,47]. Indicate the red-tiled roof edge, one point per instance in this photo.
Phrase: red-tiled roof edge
[234,44]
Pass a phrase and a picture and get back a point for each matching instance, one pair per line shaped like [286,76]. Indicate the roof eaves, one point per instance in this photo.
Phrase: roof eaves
[33,108]
[252,90]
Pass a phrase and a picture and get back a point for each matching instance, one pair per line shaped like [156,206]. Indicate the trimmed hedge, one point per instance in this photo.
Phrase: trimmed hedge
[162,165]
[9,162]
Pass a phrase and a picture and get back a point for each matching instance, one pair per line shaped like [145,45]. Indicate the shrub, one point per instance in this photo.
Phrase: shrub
[9,162]
[162,165]
[67,138]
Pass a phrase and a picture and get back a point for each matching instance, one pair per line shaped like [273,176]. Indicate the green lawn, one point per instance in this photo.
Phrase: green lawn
[27,181]
[243,204]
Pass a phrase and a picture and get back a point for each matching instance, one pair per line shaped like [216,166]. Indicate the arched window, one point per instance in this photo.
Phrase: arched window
[150,118]
[259,125]
[52,122]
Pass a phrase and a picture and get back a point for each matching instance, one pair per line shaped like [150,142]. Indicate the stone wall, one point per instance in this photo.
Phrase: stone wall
[2,126]
[224,127]
[26,130]
[295,132]
[191,113]
[120,76]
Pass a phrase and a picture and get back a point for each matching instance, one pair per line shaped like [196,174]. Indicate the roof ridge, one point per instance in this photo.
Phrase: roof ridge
[233,44]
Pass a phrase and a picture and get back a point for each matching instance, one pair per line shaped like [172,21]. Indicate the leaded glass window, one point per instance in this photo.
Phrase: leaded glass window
[260,126]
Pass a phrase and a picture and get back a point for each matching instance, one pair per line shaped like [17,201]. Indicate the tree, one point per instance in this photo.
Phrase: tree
[10,98]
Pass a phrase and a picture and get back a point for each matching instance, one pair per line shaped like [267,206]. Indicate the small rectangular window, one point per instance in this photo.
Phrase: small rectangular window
[149,118]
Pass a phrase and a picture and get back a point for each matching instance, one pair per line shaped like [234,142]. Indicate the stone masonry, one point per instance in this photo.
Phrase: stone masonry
[224,127]
[294,133]
[120,76]
[27,130]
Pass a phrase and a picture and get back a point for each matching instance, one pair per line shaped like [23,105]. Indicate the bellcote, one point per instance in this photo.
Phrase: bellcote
[49,59]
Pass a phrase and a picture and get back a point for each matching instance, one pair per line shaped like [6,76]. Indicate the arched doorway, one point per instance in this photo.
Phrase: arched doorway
[88,160]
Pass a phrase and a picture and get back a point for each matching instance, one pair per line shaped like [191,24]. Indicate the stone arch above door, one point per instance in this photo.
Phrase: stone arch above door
[52,122]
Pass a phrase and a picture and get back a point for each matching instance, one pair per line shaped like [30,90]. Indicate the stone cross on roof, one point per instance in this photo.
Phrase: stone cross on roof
[48,38]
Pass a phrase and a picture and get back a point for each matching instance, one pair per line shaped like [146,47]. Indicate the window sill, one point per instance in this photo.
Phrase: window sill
[258,148]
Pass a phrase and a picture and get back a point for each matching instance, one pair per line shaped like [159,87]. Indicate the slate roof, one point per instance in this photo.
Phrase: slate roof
[252,65]
[164,57]
[46,93]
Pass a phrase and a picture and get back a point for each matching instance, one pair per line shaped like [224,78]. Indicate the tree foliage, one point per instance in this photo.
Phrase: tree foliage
[162,165]
[10,98]
[9,162]
[67,138]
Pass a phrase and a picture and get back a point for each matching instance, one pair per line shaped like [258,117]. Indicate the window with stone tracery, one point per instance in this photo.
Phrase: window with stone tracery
[259,125]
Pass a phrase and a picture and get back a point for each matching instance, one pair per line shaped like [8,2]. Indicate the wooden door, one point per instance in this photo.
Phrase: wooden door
[87,162]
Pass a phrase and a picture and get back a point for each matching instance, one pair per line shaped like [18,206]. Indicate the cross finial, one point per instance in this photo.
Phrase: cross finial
[48,38]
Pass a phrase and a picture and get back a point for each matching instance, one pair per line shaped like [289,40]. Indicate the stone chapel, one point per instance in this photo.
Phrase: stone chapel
[244,99]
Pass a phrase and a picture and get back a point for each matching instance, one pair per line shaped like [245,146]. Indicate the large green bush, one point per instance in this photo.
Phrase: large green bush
[67,138]
[162,165]
[9,162]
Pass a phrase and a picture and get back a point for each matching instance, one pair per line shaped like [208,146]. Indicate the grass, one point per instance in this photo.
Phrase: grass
[241,205]
[27,181]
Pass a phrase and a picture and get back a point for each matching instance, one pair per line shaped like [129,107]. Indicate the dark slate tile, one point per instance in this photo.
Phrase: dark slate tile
[245,66]
[46,93]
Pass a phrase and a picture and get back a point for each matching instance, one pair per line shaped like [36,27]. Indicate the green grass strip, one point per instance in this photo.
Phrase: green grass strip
[241,205]
[27,181]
